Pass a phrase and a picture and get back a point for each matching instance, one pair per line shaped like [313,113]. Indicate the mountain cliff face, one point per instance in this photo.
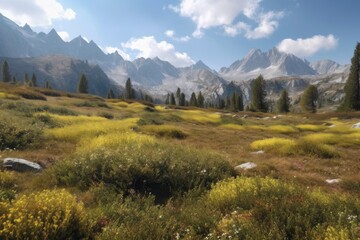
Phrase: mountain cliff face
[62,73]
[54,60]
[270,64]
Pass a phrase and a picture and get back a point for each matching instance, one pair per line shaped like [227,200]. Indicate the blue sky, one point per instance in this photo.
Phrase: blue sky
[218,32]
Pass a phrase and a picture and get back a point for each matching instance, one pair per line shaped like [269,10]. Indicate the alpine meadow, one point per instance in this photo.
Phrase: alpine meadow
[130,138]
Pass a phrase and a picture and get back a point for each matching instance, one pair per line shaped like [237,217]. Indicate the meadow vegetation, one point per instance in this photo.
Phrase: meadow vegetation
[117,169]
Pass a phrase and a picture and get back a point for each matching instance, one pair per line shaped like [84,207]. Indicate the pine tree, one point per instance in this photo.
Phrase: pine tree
[33,80]
[26,80]
[172,99]
[283,104]
[352,86]
[47,85]
[167,100]
[200,100]
[148,98]
[239,102]
[129,92]
[83,85]
[177,95]
[14,80]
[6,77]
[193,100]
[309,98]
[258,95]
[110,94]
[182,101]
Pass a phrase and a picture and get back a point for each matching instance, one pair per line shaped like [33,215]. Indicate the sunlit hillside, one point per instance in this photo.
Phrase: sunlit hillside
[123,169]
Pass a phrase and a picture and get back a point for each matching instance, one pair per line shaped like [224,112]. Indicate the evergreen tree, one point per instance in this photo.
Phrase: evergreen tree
[26,80]
[110,94]
[148,98]
[352,86]
[182,100]
[172,99]
[33,80]
[167,100]
[232,106]
[83,85]
[47,85]
[193,100]
[239,102]
[129,92]
[200,100]
[221,103]
[177,95]
[283,104]
[6,77]
[258,95]
[14,80]
[309,98]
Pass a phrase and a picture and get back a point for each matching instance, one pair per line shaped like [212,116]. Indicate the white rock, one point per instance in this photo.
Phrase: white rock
[245,166]
[258,152]
[21,165]
[356,125]
[332,181]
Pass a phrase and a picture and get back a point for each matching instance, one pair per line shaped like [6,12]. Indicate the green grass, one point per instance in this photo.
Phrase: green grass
[164,131]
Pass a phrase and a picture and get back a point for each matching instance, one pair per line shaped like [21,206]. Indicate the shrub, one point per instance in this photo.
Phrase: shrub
[8,96]
[28,94]
[310,127]
[106,115]
[280,145]
[316,149]
[233,126]
[7,186]
[282,129]
[92,104]
[165,131]
[264,208]
[199,116]
[50,214]
[83,127]
[133,161]
[327,138]
[18,132]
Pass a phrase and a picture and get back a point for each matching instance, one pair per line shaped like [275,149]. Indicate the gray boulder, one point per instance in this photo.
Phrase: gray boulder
[356,125]
[21,165]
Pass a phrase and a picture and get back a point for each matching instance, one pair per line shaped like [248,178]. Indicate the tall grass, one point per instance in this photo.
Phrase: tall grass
[164,131]
[199,116]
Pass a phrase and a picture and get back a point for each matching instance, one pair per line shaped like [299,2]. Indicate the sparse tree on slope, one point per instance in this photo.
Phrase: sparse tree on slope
[200,100]
[6,77]
[33,80]
[129,93]
[352,86]
[172,99]
[182,100]
[83,85]
[177,95]
[258,102]
[283,103]
[309,99]
[110,94]
[193,100]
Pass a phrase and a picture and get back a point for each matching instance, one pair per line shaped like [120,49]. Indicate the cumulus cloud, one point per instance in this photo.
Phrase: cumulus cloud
[123,54]
[37,13]
[64,35]
[148,47]
[214,13]
[171,34]
[308,46]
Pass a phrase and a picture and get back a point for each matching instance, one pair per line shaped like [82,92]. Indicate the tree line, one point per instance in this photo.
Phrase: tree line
[235,102]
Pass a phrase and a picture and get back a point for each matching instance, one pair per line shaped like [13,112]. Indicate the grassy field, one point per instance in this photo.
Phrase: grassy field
[117,169]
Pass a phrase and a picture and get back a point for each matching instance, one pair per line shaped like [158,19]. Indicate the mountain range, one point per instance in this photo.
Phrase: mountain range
[35,52]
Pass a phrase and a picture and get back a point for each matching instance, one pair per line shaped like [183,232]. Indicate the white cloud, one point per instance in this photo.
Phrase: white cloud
[148,47]
[121,52]
[37,13]
[171,34]
[308,46]
[214,13]
[64,35]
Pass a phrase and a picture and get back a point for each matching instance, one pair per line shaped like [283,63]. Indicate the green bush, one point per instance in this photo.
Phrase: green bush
[18,132]
[264,208]
[7,186]
[48,214]
[141,163]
